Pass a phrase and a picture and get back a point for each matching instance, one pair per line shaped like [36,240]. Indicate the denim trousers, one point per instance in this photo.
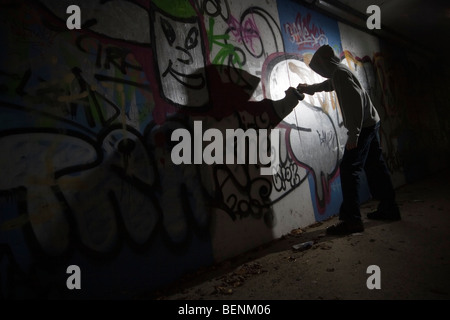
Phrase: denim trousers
[366,156]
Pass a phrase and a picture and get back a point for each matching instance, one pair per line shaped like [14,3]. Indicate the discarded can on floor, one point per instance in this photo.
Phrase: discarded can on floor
[303,246]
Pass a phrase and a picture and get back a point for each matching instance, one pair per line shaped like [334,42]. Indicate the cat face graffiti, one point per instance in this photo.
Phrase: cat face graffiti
[180,57]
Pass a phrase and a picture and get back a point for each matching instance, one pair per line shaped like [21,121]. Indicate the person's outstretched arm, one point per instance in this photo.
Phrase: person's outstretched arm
[310,89]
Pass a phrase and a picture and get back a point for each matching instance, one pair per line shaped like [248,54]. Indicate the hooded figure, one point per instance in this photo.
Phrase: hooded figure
[362,150]
[357,110]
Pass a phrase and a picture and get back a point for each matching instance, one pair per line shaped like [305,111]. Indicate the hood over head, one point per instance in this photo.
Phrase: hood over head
[324,61]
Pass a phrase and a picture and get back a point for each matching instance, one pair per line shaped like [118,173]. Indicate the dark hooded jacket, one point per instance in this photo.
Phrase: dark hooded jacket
[357,109]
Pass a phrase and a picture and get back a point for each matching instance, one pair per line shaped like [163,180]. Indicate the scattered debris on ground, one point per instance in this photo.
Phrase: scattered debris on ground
[237,278]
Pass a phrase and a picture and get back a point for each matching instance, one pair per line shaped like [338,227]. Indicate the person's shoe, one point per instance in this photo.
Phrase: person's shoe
[384,215]
[345,227]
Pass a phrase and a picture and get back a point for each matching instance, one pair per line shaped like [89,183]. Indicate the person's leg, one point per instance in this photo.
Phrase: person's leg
[351,166]
[350,170]
[380,182]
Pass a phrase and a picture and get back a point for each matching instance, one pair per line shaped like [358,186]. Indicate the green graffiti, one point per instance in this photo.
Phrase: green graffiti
[228,52]
[177,8]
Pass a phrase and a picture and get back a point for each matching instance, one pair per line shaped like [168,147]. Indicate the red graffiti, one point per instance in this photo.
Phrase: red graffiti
[305,34]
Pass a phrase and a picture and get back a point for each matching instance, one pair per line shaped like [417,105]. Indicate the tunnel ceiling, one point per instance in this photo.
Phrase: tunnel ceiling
[422,23]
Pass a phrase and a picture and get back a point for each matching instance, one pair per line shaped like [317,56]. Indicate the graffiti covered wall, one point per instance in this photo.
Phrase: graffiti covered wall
[87,118]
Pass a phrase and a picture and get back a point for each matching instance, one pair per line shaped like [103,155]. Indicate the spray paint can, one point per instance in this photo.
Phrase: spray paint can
[303,246]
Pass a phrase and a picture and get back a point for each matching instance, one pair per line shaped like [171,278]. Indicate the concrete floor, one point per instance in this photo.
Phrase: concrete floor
[413,256]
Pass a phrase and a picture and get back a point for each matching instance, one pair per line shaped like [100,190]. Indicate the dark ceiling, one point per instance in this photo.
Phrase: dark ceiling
[419,23]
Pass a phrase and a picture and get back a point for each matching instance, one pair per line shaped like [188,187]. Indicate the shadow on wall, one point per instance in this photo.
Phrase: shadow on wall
[223,142]
[122,202]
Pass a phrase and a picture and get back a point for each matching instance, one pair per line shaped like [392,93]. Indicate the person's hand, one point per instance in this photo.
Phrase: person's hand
[351,145]
[305,88]
[291,90]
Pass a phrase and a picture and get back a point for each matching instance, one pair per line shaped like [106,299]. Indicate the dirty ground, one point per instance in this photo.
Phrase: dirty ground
[413,256]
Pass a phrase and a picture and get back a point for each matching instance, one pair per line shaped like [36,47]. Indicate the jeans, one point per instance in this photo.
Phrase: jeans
[366,156]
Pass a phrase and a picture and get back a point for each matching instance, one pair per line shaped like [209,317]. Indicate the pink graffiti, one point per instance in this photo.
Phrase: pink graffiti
[246,32]
[305,34]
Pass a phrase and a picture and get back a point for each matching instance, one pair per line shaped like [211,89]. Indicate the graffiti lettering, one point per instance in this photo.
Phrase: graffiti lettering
[305,34]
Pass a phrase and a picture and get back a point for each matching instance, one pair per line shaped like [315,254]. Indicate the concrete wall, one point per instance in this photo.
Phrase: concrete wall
[86,118]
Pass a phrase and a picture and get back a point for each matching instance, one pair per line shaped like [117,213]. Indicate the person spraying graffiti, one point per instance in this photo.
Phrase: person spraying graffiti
[362,149]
